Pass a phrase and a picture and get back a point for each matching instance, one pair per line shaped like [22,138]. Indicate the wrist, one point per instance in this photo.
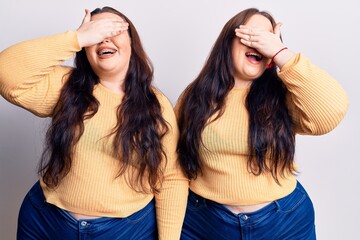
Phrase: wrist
[282,56]
[80,39]
[277,53]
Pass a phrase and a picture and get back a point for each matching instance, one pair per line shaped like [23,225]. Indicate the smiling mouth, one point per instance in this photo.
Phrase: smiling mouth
[254,56]
[106,52]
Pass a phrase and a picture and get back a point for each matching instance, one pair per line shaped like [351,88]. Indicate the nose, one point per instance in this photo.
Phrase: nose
[106,40]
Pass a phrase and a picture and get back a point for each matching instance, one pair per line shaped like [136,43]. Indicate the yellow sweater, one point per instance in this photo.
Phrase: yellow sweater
[31,77]
[317,103]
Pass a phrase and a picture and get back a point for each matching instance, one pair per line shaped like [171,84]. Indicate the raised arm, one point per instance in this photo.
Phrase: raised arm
[316,101]
[31,76]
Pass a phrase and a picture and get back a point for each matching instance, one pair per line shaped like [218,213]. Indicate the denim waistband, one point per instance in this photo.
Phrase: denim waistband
[245,217]
[38,200]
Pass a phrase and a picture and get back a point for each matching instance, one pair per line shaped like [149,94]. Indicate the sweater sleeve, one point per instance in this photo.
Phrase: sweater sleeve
[172,199]
[31,76]
[316,101]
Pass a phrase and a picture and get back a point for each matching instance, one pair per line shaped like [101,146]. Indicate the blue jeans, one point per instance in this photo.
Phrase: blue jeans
[291,217]
[41,220]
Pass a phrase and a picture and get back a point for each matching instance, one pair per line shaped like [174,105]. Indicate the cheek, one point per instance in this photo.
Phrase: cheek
[91,52]
[125,51]
[124,45]
[237,57]
[90,57]
[120,39]
[238,50]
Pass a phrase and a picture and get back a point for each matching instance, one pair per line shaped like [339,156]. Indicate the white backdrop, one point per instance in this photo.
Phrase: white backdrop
[178,35]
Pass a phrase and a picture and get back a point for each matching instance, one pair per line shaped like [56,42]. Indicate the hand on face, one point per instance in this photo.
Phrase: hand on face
[93,32]
[264,41]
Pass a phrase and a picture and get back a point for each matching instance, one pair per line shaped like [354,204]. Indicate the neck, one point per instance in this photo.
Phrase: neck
[242,83]
[114,86]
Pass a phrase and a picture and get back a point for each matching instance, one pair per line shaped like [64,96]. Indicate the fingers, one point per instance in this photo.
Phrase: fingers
[94,31]
[253,34]
[123,26]
[107,28]
[87,16]
[266,42]
[115,27]
[243,30]
[246,34]
[277,29]
[250,43]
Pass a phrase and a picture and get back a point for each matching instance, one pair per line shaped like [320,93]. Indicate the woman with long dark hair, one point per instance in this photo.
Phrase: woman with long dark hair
[109,169]
[238,120]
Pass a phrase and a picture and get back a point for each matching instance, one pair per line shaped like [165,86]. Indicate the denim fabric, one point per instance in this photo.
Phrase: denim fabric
[41,220]
[289,218]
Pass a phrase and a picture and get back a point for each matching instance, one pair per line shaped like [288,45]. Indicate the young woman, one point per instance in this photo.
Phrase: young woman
[110,156]
[238,121]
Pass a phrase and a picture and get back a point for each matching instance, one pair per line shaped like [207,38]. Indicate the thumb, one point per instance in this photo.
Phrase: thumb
[87,16]
[277,29]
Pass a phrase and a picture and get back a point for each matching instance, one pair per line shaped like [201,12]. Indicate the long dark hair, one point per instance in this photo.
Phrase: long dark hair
[271,141]
[139,129]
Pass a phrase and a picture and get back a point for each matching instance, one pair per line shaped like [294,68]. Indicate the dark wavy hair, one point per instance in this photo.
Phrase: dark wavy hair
[271,140]
[140,126]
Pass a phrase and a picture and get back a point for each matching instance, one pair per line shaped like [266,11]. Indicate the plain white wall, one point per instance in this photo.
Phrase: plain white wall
[178,36]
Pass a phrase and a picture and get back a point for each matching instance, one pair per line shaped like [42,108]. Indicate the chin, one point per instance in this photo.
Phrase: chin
[254,75]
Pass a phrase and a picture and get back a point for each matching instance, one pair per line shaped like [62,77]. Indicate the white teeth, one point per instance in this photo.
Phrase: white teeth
[106,51]
[253,54]
[258,57]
